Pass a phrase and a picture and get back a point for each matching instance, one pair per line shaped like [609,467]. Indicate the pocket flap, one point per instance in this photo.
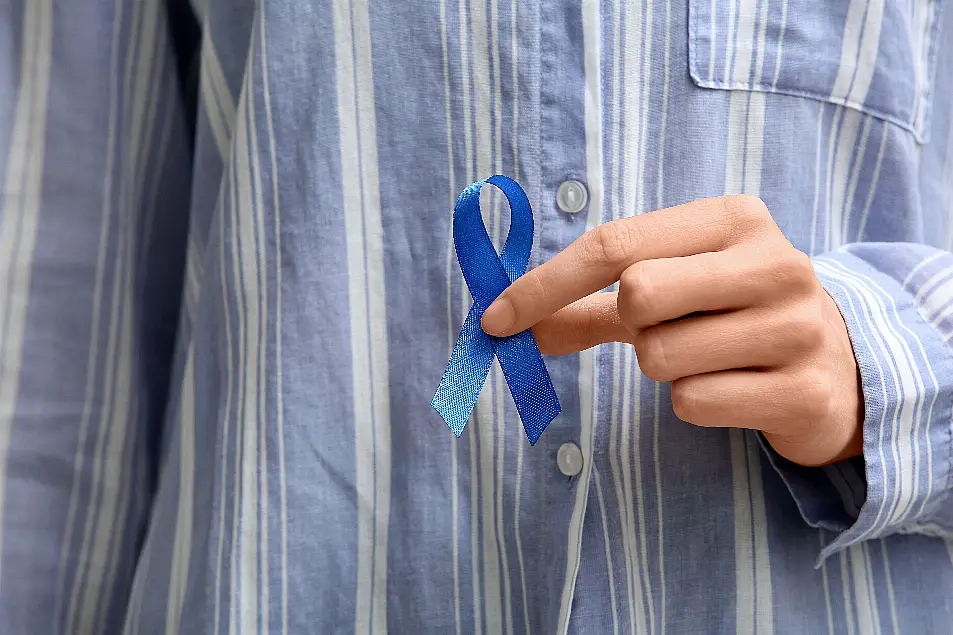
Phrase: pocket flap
[876,56]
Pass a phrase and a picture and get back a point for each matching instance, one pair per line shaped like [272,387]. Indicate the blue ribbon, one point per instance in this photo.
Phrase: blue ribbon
[487,275]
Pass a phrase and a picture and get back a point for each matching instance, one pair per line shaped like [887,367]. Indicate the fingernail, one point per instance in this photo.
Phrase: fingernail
[499,316]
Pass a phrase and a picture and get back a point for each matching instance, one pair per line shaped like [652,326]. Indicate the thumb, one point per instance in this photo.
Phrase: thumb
[583,324]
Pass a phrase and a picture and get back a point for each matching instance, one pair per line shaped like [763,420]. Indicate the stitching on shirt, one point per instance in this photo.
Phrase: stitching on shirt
[931,530]
[761,88]
[930,62]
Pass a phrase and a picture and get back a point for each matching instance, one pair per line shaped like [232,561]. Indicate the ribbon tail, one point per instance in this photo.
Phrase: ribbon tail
[465,375]
[529,382]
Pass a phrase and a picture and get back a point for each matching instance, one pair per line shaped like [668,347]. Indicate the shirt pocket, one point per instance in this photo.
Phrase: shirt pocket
[875,56]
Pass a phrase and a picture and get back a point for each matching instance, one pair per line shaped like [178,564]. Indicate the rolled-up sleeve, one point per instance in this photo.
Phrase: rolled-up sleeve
[897,302]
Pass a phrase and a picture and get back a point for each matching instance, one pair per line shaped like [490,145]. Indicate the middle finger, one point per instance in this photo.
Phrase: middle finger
[751,338]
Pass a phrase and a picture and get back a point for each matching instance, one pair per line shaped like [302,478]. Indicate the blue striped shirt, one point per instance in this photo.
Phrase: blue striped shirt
[228,291]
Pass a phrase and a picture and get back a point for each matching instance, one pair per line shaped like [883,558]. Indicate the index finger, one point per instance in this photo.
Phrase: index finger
[597,258]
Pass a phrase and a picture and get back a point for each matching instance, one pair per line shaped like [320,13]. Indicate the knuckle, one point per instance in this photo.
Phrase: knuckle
[683,400]
[806,327]
[612,243]
[637,295]
[793,269]
[753,207]
[799,337]
[730,205]
[811,334]
[746,212]
[650,353]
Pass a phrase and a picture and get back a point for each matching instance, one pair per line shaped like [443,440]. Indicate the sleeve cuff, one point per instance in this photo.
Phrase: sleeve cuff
[902,483]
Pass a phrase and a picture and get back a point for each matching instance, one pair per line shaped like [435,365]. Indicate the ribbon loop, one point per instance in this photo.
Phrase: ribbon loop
[487,275]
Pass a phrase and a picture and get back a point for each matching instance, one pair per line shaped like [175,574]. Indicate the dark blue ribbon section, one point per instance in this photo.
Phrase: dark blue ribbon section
[487,275]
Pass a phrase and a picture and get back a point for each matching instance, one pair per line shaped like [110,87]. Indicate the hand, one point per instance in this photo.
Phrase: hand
[718,302]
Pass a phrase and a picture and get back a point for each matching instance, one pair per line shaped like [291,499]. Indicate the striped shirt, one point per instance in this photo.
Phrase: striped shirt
[228,292]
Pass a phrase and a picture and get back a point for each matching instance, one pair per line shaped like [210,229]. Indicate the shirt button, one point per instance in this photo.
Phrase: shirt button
[571,196]
[569,459]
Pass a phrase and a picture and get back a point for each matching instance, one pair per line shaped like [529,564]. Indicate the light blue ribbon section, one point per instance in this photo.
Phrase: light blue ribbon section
[487,275]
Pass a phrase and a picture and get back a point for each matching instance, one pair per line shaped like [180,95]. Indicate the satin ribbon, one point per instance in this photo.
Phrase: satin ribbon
[487,275]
